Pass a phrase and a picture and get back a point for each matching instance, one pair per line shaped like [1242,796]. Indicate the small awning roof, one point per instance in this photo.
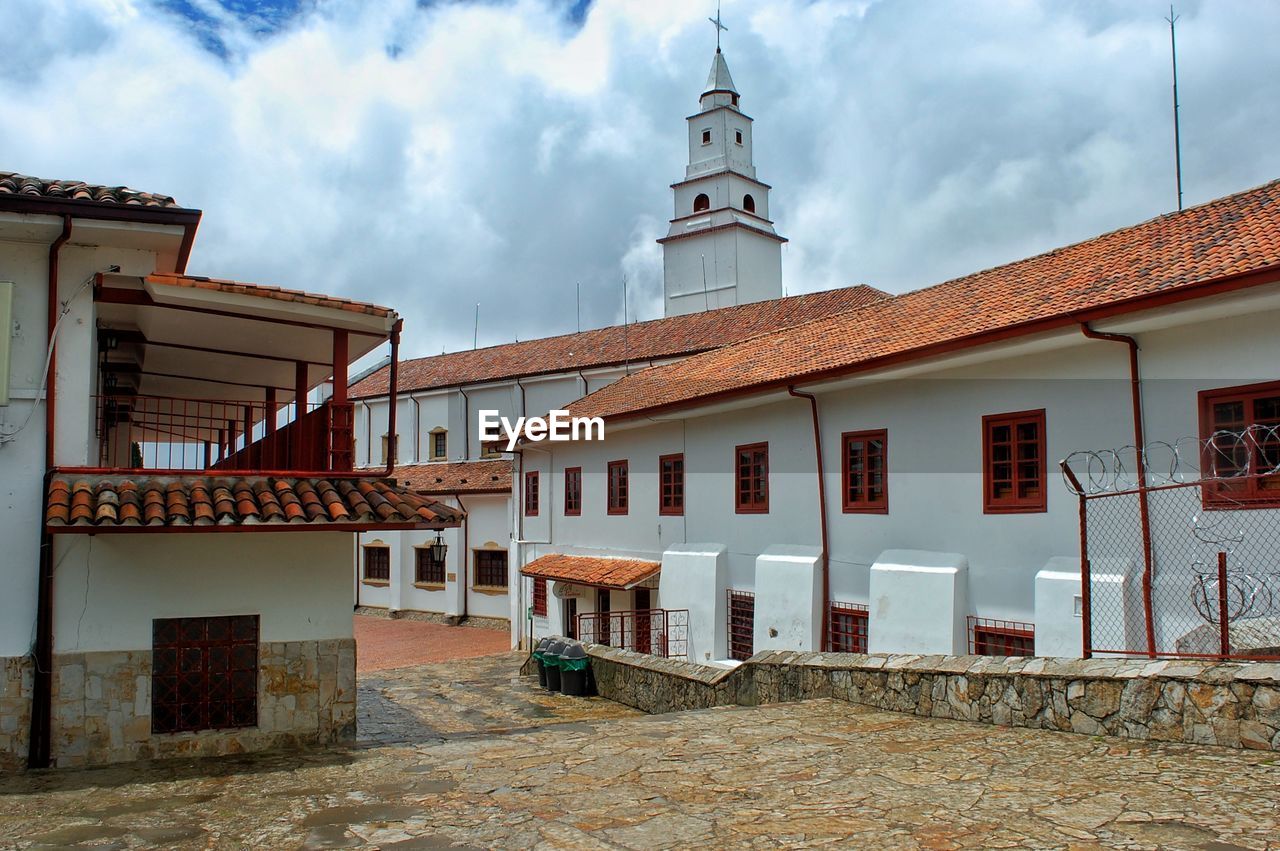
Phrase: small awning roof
[97,504]
[617,573]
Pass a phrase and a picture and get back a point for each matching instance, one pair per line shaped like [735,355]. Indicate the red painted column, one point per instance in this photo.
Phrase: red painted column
[340,359]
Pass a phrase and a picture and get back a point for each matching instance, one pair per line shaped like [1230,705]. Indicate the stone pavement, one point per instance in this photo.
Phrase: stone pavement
[432,703]
[818,773]
[384,643]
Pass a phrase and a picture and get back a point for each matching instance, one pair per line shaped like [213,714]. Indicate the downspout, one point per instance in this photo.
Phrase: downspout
[1139,442]
[417,429]
[822,513]
[466,424]
[466,553]
[39,746]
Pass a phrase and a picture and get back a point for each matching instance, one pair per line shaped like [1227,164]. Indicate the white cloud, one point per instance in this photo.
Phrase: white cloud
[429,156]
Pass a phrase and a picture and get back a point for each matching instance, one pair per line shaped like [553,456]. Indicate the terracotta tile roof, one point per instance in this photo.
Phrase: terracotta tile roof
[620,573]
[446,477]
[263,291]
[1109,274]
[671,336]
[76,190]
[116,503]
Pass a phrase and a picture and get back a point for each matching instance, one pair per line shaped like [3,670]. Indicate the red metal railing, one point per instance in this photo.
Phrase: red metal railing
[158,433]
[658,632]
[742,624]
[988,637]
[848,628]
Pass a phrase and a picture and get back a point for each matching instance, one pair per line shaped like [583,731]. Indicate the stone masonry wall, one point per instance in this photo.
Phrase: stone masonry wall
[102,705]
[1228,704]
[16,682]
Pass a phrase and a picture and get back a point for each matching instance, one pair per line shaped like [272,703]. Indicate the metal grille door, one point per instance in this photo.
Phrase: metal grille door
[742,624]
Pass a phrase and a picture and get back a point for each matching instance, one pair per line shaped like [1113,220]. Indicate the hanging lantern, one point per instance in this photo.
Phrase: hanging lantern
[438,549]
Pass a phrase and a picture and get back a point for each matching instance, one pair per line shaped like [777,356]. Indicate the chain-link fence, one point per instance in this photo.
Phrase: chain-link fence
[1186,568]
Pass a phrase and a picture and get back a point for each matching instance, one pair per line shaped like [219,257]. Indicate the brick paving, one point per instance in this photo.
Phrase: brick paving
[383,643]
[531,770]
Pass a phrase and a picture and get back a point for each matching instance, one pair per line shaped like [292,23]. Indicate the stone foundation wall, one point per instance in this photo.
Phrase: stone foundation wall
[1228,704]
[16,680]
[102,705]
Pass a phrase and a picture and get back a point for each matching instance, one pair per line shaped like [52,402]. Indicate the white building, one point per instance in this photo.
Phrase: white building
[939,523]
[721,217]
[142,411]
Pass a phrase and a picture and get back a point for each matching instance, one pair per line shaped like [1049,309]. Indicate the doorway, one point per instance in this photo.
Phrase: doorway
[571,618]
[603,620]
[643,638]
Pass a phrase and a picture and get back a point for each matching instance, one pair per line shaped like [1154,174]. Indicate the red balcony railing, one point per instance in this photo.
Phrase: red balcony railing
[658,632]
[163,433]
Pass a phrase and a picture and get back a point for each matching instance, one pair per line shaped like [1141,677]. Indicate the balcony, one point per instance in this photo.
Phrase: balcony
[159,433]
[195,374]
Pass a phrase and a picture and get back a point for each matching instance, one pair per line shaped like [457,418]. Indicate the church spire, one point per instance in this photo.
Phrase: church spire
[719,81]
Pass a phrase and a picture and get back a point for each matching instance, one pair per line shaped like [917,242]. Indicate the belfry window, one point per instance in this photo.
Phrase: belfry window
[706,137]
[748,203]
[738,136]
[702,202]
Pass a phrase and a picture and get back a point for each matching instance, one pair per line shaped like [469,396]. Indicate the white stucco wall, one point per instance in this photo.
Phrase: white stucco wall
[24,252]
[933,417]
[110,587]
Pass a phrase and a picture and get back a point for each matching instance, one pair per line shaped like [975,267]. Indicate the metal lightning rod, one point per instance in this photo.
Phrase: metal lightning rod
[1177,136]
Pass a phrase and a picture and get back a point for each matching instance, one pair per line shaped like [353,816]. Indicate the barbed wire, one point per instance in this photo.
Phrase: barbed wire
[1250,452]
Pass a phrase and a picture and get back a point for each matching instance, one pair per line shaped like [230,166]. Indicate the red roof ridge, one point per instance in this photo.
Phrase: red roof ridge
[504,360]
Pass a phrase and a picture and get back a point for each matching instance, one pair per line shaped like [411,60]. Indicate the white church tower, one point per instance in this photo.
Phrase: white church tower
[721,249]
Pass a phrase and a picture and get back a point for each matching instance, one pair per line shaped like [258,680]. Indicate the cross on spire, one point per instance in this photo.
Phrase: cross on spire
[719,25]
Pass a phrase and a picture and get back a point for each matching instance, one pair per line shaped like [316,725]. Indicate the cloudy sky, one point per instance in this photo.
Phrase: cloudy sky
[431,155]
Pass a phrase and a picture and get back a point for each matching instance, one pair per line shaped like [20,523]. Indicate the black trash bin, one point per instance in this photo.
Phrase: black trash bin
[551,661]
[537,658]
[574,666]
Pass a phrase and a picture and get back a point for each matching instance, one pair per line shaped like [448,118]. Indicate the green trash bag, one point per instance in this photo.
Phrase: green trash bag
[573,664]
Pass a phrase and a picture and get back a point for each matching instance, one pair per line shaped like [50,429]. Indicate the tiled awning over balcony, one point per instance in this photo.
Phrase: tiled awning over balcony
[618,573]
[94,504]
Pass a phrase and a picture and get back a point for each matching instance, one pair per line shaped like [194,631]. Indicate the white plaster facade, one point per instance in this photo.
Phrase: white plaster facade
[932,411]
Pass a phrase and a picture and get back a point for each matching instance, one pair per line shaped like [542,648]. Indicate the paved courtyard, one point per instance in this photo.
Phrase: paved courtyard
[383,643]
[457,755]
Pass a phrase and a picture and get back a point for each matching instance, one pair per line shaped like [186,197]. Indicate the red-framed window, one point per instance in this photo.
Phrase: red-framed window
[989,637]
[377,563]
[1014,470]
[427,570]
[751,478]
[572,491]
[204,673]
[865,475]
[618,487]
[847,628]
[671,484]
[540,596]
[531,493]
[1240,428]
[491,568]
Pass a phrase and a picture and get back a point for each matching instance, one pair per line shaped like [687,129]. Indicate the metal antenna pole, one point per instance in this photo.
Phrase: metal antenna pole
[475,334]
[579,286]
[626,347]
[1177,135]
